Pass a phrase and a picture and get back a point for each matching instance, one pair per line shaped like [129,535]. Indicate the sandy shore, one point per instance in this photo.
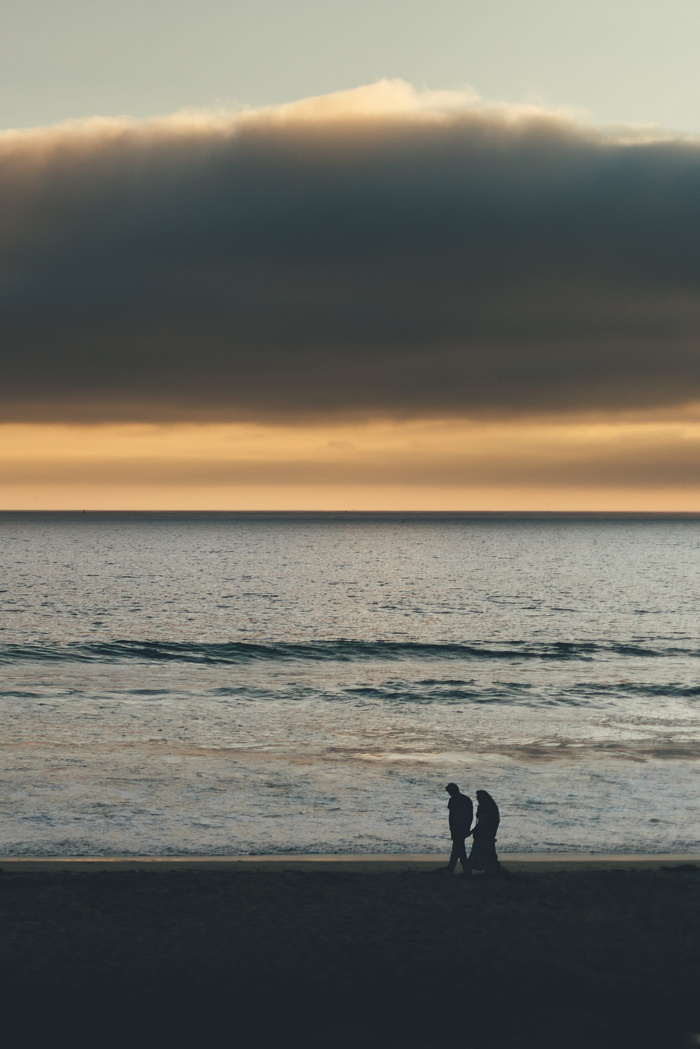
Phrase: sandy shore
[521,862]
[338,952]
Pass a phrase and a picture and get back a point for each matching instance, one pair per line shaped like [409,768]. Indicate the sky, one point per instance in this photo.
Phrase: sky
[430,256]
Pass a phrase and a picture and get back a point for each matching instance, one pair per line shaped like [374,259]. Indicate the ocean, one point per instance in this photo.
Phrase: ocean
[236,684]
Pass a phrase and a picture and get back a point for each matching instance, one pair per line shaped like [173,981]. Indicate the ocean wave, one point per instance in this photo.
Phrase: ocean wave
[341,650]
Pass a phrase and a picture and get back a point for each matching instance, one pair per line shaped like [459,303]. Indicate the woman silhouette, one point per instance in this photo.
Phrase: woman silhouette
[483,855]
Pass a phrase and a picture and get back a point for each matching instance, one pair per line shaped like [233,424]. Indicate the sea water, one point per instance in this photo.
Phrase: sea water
[226,684]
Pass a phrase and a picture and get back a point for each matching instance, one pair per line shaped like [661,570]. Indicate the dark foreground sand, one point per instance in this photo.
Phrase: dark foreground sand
[350,954]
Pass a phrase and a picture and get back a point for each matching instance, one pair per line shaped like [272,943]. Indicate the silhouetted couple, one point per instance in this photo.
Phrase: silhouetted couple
[461,812]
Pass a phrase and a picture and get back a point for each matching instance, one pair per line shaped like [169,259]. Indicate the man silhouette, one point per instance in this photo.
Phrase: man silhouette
[461,813]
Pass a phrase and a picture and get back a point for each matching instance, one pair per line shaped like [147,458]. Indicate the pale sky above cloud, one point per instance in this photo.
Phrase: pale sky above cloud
[621,60]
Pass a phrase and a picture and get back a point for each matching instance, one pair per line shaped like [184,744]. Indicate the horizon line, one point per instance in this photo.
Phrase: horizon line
[439,514]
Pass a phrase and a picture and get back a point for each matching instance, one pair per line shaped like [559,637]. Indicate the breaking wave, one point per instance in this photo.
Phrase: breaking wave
[342,650]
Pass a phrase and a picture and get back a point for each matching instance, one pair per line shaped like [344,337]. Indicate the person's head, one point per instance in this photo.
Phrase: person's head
[485,799]
[452,789]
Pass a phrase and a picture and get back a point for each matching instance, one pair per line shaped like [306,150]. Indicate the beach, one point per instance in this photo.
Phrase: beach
[342,952]
[225,750]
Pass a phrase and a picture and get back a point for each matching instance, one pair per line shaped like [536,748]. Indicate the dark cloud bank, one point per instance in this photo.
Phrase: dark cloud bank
[323,260]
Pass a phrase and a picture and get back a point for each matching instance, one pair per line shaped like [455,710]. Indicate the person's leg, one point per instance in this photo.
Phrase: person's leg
[454,856]
[466,866]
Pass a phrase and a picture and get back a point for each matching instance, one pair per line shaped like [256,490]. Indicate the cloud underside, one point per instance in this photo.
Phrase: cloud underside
[375,254]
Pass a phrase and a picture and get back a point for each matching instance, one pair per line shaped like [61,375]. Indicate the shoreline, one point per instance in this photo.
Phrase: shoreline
[531,862]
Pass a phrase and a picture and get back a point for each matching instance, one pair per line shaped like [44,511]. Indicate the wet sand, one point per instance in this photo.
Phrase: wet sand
[358,953]
[520,862]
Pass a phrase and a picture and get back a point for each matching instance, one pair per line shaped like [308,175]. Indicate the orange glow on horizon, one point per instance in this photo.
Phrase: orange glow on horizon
[340,498]
[624,463]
